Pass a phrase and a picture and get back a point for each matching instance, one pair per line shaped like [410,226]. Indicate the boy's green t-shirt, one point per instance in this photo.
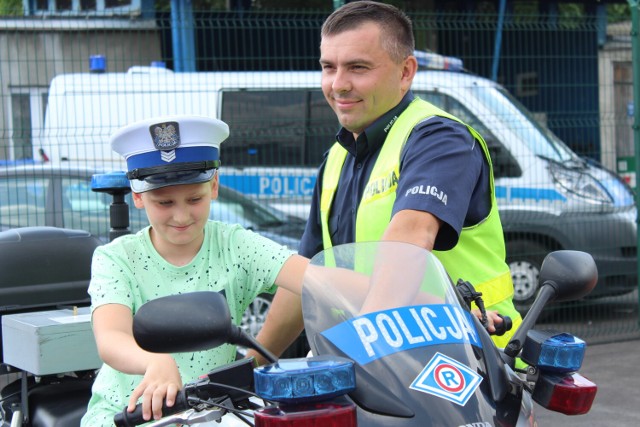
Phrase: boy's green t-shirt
[130,272]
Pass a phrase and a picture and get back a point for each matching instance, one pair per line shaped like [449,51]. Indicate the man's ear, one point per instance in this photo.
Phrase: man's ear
[137,200]
[409,70]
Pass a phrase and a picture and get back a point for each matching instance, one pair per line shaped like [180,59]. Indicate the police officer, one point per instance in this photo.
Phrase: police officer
[401,169]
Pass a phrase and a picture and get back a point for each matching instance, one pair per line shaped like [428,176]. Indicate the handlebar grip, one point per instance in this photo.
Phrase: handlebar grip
[132,419]
[503,327]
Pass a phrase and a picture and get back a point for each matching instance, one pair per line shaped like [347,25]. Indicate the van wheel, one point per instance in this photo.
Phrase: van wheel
[253,319]
[255,315]
[525,259]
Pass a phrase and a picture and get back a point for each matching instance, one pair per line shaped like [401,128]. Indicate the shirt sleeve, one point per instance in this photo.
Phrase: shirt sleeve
[311,241]
[110,280]
[260,258]
[440,167]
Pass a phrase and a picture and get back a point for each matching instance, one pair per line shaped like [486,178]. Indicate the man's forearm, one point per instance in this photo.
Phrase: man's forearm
[283,324]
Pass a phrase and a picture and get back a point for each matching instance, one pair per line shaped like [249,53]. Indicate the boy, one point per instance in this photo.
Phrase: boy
[172,167]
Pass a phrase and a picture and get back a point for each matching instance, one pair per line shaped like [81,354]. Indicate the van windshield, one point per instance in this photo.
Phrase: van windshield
[507,111]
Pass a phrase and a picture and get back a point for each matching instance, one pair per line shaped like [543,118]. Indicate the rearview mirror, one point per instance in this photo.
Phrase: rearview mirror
[573,274]
[180,323]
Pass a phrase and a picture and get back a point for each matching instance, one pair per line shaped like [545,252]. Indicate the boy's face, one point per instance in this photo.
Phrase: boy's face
[178,213]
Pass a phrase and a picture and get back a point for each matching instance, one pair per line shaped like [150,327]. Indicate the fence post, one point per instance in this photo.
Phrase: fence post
[635,55]
[182,28]
[498,41]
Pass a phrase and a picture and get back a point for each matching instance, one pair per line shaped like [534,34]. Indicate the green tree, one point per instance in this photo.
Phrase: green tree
[618,12]
[11,7]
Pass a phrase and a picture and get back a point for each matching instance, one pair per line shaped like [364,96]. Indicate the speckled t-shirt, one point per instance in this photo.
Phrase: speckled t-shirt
[130,272]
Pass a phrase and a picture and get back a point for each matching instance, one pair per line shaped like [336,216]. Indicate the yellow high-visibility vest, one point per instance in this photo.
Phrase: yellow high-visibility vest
[479,255]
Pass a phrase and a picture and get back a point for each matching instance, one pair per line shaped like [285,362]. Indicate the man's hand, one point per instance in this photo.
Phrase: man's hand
[493,319]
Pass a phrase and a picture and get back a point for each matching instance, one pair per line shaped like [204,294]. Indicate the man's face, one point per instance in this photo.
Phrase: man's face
[359,79]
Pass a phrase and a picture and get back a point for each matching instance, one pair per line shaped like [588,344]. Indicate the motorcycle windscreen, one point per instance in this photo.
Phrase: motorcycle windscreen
[391,308]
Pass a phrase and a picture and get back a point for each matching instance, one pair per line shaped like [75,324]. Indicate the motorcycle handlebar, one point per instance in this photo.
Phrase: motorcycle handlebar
[503,327]
[131,419]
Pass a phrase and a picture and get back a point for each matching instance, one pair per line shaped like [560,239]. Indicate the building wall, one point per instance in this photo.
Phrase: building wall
[33,51]
[615,93]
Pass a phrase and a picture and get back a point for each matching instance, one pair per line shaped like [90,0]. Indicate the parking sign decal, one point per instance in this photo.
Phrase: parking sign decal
[447,378]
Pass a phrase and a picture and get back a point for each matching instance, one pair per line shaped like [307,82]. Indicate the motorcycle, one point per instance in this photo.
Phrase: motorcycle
[44,305]
[394,342]
[44,309]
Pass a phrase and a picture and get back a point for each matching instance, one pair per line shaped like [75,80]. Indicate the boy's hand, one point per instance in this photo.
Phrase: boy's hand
[160,384]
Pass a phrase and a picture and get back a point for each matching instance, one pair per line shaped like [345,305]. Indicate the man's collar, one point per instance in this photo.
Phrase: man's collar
[373,136]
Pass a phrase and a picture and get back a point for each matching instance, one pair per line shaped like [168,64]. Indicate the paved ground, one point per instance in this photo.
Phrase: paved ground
[615,368]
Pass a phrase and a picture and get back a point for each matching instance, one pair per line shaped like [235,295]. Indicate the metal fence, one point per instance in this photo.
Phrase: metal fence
[573,75]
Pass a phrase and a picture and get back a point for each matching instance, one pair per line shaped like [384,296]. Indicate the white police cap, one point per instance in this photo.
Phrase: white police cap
[170,150]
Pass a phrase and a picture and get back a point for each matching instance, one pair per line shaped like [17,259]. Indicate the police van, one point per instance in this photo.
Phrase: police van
[280,126]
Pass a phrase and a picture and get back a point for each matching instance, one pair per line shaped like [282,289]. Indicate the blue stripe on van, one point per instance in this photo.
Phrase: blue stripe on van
[528,193]
[270,185]
[302,185]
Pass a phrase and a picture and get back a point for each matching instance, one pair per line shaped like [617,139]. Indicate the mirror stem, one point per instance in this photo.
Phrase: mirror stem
[262,350]
[242,338]
[546,294]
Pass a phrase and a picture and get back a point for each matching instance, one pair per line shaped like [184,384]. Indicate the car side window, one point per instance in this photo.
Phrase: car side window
[23,202]
[83,208]
[88,210]
[504,164]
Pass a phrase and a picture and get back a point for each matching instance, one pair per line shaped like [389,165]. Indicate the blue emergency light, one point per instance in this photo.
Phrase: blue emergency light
[105,182]
[553,351]
[434,61]
[305,379]
[97,63]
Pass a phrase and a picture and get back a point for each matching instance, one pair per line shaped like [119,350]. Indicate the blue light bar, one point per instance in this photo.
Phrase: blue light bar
[109,181]
[305,379]
[553,351]
[434,61]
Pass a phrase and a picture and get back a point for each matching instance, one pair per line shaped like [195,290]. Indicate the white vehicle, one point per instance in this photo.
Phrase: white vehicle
[280,125]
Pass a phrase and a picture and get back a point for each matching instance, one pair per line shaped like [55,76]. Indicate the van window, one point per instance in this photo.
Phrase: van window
[507,109]
[277,128]
[504,164]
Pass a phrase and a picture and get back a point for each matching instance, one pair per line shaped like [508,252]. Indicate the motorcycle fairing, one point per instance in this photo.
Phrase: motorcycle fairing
[447,378]
[333,298]
[374,335]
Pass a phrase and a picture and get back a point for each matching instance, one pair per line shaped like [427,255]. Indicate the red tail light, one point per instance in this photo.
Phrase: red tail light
[571,395]
[310,415]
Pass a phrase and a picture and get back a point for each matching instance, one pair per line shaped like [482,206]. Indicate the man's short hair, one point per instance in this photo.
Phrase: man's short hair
[395,25]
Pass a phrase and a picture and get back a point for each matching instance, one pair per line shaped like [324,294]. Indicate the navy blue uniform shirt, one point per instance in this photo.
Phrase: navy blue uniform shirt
[443,171]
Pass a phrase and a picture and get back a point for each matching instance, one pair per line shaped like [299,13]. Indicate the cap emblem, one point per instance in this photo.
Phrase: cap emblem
[166,136]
